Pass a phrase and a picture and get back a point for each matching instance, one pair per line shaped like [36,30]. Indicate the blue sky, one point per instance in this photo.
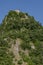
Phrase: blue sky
[32,7]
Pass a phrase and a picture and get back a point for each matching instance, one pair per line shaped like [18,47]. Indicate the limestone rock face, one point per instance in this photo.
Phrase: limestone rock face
[17,11]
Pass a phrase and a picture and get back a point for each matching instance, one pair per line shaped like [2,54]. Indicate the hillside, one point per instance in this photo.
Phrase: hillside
[21,40]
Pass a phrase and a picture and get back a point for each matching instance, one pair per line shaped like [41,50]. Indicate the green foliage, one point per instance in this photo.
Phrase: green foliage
[5,56]
[15,25]
[25,45]
[20,62]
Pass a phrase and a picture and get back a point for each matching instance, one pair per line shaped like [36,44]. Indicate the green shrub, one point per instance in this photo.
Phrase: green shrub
[20,62]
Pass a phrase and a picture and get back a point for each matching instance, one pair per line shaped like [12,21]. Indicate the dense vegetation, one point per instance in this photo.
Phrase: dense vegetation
[21,25]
